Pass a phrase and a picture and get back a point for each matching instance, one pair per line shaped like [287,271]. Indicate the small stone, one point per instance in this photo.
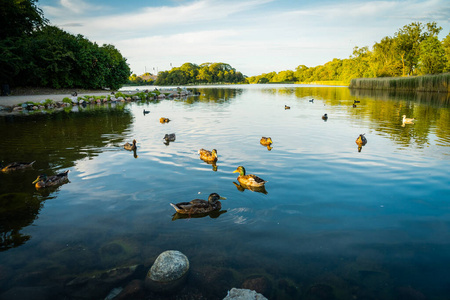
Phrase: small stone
[243,294]
[168,273]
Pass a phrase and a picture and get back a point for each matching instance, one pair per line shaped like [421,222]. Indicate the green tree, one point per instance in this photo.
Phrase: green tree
[446,45]
[20,17]
[407,44]
[432,59]
[384,58]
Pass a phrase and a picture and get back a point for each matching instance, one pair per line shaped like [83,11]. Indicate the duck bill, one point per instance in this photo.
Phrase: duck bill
[223,198]
[236,171]
[37,179]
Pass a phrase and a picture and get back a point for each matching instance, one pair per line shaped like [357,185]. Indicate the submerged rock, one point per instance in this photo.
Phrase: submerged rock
[243,294]
[168,273]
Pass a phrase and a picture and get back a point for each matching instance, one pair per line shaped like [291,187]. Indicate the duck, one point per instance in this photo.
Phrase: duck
[266,141]
[356,101]
[325,117]
[43,181]
[312,100]
[408,120]
[354,105]
[164,120]
[169,137]
[17,166]
[287,107]
[208,156]
[146,111]
[129,146]
[250,179]
[199,206]
[361,140]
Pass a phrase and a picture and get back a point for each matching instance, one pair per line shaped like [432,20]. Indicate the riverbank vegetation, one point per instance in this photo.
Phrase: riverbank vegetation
[427,83]
[413,50]
[35,53]
[206,73]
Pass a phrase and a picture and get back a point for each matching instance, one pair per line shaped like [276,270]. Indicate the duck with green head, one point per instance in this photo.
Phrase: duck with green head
[43,181]
[250,179]
[199,206]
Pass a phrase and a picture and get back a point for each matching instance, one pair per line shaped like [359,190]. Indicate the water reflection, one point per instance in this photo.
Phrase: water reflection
[17,211]
[115,204]
[242,187]
[55,141]
[213,215]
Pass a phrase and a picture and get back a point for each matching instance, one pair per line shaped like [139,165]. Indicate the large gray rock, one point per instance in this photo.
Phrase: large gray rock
[243,294]
[168,273]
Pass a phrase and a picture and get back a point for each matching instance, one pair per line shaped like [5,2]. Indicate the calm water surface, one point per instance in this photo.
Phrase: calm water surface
[334,223]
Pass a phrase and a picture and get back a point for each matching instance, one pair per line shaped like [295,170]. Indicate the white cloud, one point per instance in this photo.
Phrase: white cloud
[67,8]
[244,33]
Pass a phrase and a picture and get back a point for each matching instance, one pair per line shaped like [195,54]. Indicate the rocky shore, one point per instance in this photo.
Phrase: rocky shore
[34,102]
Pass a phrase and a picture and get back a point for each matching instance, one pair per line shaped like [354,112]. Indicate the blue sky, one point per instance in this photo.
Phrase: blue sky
[253,36]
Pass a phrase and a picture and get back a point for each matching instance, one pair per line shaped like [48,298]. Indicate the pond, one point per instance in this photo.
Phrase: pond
[333,222]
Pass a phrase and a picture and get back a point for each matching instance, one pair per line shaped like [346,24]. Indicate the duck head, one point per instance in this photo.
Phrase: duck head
[240,170]
[215,197]
[41,177]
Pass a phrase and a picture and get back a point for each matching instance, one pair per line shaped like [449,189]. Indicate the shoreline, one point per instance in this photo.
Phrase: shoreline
[18,99]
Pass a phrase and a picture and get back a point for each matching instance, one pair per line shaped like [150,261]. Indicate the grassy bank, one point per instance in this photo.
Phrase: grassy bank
[427,83]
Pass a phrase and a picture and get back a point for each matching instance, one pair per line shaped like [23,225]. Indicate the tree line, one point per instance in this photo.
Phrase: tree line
[190,73]
[413,50]
[35,53]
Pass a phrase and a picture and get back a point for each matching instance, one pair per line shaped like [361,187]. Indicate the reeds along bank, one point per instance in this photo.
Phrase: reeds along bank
[427,83]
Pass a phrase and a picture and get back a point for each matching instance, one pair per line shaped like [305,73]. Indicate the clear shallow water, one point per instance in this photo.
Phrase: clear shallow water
[335,222]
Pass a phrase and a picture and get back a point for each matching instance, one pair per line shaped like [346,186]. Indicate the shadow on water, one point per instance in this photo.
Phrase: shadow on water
[55,141]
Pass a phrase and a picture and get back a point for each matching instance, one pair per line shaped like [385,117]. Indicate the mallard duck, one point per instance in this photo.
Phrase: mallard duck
[164,120]
[146,111]
[43,180]
[361,140]
[129,146]
[208,156]
[325,117]
[312,100]
[408,120]
[17,166]
[354,105]
[199,206]
[266,141]
[169,137]
[250,179]
[356,101]
[287,107]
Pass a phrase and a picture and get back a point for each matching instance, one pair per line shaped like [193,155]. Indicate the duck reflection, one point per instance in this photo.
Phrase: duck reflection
[361,141]
[19,210]
[259,189]
[213,215]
